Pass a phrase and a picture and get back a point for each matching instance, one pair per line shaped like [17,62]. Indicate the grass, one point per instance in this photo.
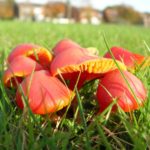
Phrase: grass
[84,129]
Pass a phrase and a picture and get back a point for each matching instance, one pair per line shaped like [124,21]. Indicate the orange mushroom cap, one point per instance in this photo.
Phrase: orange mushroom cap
[46,94]
[40,54]
[128,58]
[113,86]
[72,61]
[19,68]
[64,45]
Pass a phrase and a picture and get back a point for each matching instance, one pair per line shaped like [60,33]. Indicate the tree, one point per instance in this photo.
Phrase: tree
[122,14]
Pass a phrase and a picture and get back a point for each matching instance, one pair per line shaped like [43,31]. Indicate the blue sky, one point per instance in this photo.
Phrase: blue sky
[140,5]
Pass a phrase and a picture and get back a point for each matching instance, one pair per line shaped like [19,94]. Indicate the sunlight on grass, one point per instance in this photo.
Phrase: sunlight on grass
[82,128]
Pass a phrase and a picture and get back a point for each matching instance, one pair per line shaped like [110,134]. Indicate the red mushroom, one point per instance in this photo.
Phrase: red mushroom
[19,67]
[128,58]
[71,62]
[45,94]
[64,45]
[40,54]
[113,86]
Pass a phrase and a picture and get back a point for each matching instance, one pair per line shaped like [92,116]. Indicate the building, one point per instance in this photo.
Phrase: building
[89,15]
[146,19]
[56,12]
[30,11]
[62,12]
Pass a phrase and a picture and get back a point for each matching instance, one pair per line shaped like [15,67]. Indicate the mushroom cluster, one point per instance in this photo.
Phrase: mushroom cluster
[45,81]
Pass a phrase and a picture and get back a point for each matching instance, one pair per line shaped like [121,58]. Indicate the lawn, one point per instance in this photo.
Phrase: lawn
[86,130]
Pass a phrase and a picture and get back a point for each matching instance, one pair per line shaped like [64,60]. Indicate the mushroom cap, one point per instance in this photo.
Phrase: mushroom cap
[71,62]
[46,94]
[19,67]
[128,58]
[74,60]
[64,45]
[37,53]
[113,86]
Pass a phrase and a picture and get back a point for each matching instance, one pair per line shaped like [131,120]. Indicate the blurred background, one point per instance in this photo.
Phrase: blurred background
[77,11]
